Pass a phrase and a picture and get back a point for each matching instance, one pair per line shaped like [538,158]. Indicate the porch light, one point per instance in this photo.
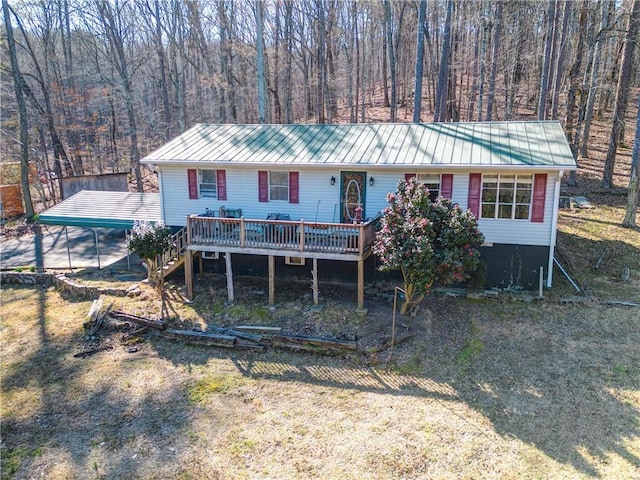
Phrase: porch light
[333,180]
[371,181]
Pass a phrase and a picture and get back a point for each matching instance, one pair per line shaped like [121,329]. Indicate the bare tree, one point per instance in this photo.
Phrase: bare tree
[262,93]
[417,99]
[18,85]
[111,18]
[622,95]
[392,60]
[634,180]
[600,39]
[546,66]
[440,114]
[497,40]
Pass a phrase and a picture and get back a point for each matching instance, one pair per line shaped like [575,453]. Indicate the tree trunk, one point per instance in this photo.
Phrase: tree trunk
[486,28]
[166,110]
[22,113]
[288,26]
[567,10]
[443,74]
[574,73]
[417,94]
[593,84]
[262,93]
[496,41]
[634,180]
[546,66]
[393,101]
[622,95]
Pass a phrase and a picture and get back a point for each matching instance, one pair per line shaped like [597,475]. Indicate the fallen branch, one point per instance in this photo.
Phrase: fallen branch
[620,303]
[157,324]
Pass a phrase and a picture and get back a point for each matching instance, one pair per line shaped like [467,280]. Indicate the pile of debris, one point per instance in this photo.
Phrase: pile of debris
[247,337]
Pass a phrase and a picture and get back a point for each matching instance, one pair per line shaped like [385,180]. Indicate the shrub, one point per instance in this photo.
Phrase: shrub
[431,243]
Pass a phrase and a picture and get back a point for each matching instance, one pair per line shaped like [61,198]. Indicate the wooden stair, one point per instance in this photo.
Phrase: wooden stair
[173,258]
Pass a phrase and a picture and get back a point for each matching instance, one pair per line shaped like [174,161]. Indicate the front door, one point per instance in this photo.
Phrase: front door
[352,188]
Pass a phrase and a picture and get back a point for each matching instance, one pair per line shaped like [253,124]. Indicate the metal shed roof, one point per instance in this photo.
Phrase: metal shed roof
[533,144]
[104,209]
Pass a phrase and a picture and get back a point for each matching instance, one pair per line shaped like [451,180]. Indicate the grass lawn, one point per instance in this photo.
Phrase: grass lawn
[485,389]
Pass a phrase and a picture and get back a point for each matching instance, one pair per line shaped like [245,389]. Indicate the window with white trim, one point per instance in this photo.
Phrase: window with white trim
[279,186]
[506,196]
[207,180]
[432,182]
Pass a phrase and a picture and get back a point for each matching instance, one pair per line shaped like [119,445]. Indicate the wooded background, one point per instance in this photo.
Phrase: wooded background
[90,86]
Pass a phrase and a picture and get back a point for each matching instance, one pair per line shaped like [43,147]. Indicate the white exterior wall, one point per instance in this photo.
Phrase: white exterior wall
[318,198]
[320,201]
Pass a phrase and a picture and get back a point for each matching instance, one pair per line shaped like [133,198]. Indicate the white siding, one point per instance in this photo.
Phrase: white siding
[522,232]
[320,201]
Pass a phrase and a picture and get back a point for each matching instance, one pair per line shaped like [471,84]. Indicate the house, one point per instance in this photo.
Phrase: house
[303,193]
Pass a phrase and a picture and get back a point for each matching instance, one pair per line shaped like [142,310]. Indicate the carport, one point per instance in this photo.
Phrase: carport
[101,209]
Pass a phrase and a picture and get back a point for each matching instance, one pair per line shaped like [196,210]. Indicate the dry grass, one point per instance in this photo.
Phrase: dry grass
[487,390]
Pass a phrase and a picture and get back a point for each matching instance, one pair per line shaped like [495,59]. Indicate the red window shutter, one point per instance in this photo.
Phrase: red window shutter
[475,187]
[294,187]
[539,193]
[192,176]
[409,176]
[221,180]
[446,185]
[263,186]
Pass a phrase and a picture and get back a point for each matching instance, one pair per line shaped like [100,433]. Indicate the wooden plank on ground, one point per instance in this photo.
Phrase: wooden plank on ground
[316,341]
[235,333]
[258,329]
[210,339]
[120,315]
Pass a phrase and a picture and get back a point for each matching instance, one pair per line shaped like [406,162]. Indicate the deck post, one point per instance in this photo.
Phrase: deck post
[361,285]
[272,279]
[227,261]
[188,273]
[301,235]
[314,274]
[243,233]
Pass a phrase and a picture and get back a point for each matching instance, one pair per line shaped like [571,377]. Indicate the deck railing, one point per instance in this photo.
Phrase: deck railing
[178,245]
[281,234]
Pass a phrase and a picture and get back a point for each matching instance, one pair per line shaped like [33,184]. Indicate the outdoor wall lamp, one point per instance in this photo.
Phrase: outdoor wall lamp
[333,180]
[371,181]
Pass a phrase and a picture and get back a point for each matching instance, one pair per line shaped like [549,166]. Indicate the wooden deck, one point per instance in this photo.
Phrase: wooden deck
[335,241]
[279,238]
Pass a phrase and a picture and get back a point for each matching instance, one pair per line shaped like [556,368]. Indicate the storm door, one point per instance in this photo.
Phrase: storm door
[352,188]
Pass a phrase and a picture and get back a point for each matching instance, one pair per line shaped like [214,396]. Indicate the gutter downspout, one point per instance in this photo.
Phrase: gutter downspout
[554,227]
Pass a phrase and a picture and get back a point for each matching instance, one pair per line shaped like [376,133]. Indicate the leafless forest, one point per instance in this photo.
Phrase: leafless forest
[90,86]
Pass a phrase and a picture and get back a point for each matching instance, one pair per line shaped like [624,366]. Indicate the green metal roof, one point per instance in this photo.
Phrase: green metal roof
[536,144]
[104,209]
